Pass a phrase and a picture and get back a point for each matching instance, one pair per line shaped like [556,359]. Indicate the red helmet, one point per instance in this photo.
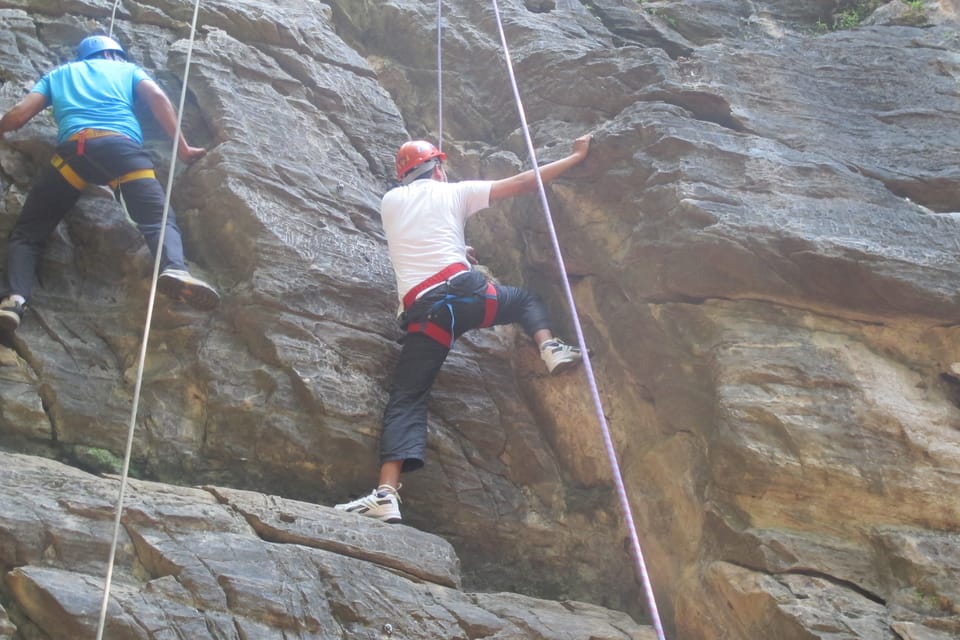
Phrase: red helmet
[414,153]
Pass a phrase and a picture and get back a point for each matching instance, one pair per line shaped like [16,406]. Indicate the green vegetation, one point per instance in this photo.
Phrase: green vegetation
[856,12]
[97,460]
[820,27]
[930,602]
[848,19]
[656,13]
[916,12]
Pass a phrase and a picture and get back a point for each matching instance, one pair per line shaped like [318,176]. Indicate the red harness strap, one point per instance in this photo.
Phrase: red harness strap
[83,135]
[438,333]
[440,276]
[432,330]
[490,308]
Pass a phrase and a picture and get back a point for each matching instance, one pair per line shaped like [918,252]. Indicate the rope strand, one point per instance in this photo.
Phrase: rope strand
[146,333]
[588,367]
[113,16]
[440,75]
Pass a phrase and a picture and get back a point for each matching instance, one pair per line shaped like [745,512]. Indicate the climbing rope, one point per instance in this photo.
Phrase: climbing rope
[146,330]
[440,75]
[113,16]
[588,367]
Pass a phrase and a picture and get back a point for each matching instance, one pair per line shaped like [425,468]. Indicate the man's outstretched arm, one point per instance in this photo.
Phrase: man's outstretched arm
[526,182]
[162,109]
[21,113]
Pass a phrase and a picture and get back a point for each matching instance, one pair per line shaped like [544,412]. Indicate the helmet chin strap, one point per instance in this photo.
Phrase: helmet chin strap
[418,172]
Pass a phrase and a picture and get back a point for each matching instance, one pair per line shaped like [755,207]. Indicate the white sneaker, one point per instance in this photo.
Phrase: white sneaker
[180,285]
[11,312]
[558,355]
[383,503]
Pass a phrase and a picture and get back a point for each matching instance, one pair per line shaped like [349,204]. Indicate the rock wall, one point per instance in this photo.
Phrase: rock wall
[762,248]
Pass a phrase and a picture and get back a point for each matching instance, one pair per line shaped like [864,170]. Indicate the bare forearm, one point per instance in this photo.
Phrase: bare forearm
[163,111]
[11,121]
[167,118]
[526,182]
[550,171]
[21,113]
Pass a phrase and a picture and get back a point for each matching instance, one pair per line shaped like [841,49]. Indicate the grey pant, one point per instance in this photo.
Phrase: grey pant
[405,417]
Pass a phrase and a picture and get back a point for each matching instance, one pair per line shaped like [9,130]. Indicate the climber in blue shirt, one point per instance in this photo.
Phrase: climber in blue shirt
[99,141]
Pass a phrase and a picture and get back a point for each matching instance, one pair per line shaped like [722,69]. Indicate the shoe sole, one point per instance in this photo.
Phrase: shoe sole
[390,517]
[382,518]
[9,321]
[565,366]
[200,297]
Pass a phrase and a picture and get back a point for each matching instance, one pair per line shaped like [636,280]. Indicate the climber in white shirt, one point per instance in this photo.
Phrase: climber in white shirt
[442,298]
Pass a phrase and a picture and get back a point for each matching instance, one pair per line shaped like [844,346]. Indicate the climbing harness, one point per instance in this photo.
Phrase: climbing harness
[588,367]
[67,172]
[444,275]
[426,321]
[71,176]
[149,320]
[83,135]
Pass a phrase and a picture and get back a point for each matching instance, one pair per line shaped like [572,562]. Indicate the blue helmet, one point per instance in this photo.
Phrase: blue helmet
[92,45]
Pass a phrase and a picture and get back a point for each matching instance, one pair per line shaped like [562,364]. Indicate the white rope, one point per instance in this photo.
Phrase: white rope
[113,16]
[440,75]
[146,330]
[588,367]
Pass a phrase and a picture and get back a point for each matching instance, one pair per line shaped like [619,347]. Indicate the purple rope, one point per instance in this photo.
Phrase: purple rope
[594,392]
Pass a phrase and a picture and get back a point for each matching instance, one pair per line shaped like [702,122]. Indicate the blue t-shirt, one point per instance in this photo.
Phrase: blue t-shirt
[93,94]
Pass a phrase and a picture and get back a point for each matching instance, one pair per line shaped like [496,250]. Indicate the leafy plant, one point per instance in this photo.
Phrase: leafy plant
[847,19]
[97,460]
[916,13]
[854,14]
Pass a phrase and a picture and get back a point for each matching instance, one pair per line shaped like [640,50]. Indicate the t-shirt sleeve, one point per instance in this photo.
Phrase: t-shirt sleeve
[138,75]
[43,87]
[474,196]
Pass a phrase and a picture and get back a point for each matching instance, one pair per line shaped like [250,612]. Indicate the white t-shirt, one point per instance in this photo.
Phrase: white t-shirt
[424,223]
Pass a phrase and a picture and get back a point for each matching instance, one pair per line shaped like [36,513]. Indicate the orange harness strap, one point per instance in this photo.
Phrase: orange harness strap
[83,135]
[74,178]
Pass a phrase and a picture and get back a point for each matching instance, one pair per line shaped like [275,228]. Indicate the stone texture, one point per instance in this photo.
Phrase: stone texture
[292,522]
[208,564]
[762,249]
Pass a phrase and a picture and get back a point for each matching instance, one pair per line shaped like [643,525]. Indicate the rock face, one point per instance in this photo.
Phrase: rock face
[762,248]
[225,563]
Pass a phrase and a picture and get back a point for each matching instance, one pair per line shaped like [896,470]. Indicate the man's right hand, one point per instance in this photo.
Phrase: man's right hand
[581,146]
[526,182]
[190,154]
